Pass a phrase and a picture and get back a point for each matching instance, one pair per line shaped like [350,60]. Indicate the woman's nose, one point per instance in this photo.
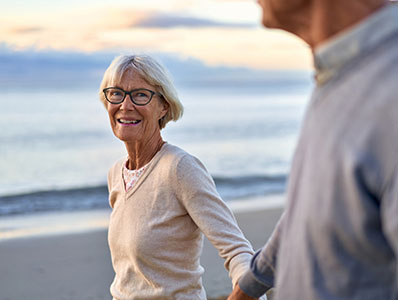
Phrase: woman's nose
[127,104]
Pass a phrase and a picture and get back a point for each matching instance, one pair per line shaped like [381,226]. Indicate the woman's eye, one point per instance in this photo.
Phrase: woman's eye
[116,95]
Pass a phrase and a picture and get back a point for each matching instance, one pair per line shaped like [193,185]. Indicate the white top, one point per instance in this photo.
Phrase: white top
[130,177]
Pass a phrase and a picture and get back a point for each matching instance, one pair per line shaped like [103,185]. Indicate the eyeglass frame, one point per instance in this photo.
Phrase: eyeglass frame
[129,93]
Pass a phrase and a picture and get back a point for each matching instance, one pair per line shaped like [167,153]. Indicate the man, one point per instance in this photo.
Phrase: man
[338,238]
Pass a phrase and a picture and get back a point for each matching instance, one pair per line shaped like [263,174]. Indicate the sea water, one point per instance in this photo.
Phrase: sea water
[56,146]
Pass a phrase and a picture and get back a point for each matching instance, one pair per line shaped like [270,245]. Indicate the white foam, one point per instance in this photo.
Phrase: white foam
[256,203]
[52,223]
[80,221]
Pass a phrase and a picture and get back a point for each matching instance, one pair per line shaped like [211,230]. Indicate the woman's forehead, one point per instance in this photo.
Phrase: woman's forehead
[133,79]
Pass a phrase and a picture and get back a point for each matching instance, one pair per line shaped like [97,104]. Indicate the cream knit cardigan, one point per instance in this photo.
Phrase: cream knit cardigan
[156,229]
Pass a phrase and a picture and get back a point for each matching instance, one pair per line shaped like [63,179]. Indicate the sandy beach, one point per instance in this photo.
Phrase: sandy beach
[76,265]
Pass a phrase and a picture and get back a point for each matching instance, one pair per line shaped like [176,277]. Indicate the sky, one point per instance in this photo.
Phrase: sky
[216,33]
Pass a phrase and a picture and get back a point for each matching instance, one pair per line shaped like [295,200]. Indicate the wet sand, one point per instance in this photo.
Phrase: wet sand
[69,266]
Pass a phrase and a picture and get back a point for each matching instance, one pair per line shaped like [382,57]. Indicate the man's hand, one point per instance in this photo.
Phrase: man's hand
[238,294]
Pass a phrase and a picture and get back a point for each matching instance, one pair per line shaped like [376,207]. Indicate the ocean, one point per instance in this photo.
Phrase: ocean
[56,145]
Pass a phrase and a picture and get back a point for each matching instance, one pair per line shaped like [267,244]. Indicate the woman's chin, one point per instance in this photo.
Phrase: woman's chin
[125,135]
[127,138]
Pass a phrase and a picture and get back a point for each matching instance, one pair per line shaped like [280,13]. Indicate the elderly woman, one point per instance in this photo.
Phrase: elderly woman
[163,198]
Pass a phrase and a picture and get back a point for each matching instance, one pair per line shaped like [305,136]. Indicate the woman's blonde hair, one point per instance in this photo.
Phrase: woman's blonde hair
[152,72]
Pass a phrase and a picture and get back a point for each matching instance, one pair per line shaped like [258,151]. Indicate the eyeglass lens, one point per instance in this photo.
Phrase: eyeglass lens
[116,96]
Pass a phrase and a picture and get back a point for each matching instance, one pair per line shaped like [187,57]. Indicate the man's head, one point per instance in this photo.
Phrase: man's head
[283,14]
[315,21]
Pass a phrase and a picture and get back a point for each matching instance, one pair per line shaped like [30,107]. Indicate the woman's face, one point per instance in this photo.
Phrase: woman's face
[133,123]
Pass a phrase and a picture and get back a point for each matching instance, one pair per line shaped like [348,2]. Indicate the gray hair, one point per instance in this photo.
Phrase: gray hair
[152,72]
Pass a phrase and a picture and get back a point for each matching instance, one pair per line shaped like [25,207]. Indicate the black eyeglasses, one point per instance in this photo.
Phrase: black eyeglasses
[141,97]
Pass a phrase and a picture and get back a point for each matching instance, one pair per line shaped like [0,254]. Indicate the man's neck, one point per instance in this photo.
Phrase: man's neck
[327,18]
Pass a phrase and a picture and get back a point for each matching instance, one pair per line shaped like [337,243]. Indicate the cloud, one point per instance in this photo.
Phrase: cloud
[26,29]
[37,69]
[214,34]
[160,20]
[34,69]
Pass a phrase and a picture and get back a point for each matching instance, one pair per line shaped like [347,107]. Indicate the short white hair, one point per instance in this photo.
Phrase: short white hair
[152,72]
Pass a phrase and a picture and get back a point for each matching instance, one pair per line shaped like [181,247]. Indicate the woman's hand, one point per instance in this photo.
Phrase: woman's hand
[238,294]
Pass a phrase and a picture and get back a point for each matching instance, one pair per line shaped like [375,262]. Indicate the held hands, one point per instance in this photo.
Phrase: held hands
[238,294]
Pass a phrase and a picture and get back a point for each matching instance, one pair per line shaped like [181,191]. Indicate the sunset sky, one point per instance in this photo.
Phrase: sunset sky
[215,32]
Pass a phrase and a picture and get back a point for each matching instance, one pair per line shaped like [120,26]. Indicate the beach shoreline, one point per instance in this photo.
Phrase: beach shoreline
[58,263]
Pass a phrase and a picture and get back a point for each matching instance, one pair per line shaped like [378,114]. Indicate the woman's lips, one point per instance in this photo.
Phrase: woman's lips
[128,121]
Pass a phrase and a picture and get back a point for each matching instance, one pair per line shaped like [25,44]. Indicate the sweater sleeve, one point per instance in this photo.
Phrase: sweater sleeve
[197,192]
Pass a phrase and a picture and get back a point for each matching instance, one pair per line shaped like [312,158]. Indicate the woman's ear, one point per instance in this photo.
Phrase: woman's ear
[165,109]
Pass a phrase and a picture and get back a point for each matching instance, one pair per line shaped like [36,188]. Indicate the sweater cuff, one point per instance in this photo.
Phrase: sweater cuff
[249,284]
[238,266]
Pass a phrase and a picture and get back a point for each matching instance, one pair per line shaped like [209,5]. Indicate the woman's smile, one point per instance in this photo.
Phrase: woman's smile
[128,122]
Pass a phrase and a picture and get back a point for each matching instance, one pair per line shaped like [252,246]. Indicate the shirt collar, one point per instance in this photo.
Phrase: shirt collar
[331,56]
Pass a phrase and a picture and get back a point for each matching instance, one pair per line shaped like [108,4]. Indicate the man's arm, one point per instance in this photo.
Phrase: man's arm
[260,277]
[389,216]
[238,294]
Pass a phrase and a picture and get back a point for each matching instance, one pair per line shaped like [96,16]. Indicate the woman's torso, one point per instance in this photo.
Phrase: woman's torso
[155,244]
